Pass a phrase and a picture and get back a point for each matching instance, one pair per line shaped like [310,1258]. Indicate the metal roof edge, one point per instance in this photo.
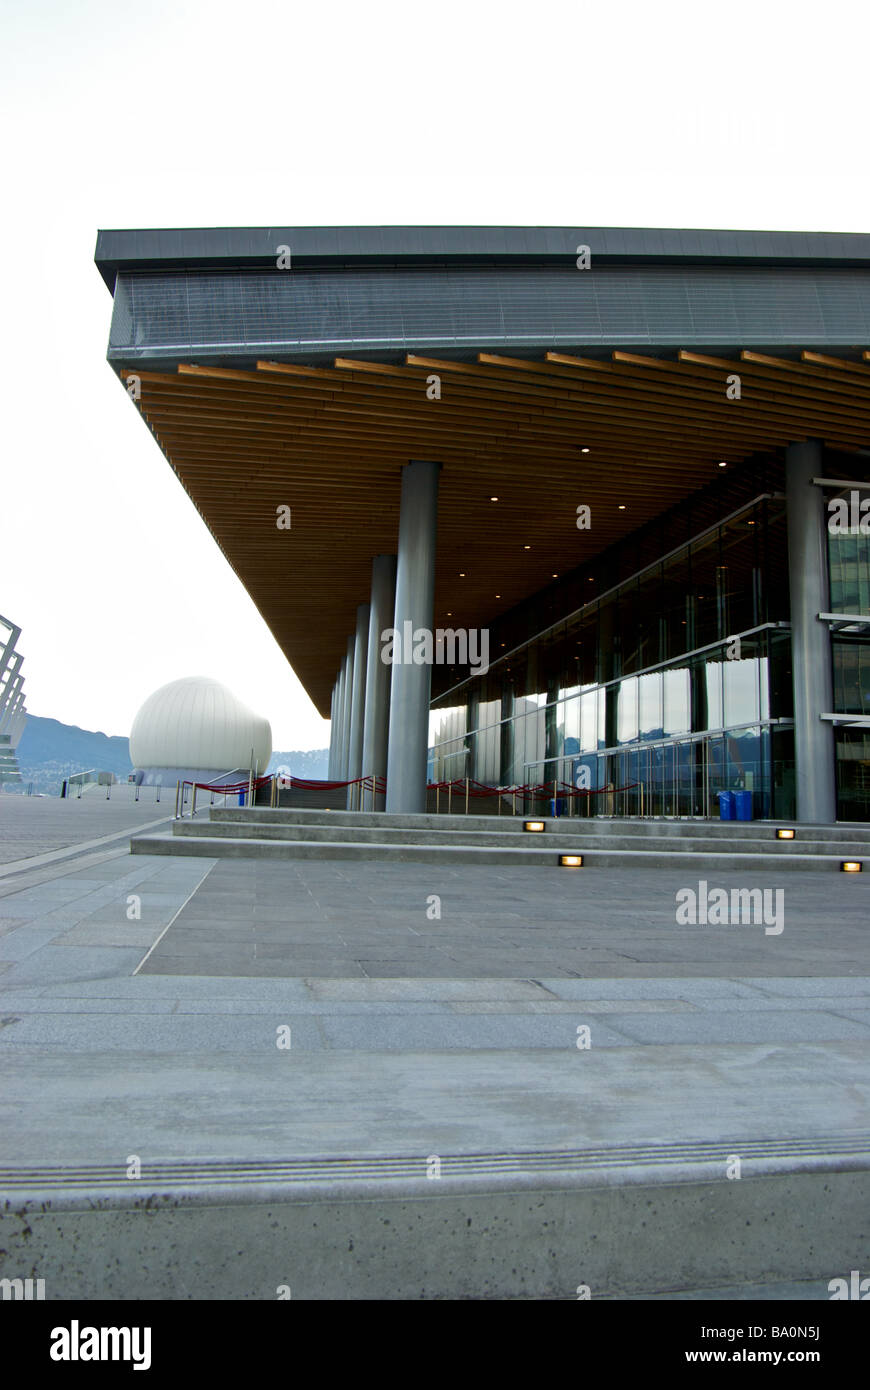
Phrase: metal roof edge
[258,247]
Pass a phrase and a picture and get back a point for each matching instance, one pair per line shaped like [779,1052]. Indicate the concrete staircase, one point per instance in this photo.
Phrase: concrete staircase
[265,833]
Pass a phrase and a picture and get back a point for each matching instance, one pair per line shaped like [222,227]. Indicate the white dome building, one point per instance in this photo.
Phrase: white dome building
[196,730]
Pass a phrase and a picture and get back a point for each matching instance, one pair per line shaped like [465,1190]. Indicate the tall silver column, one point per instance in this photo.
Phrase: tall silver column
[815,772]
[377,715]
[330,769]
[410,684]
[358,704]
[345,717]
[339,721]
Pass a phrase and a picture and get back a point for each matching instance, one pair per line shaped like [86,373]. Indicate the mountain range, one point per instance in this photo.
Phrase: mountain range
[49,751]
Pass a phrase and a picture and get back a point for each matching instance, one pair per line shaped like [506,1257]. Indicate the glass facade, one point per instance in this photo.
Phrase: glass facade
[674,684]
[849,569]
[671,687]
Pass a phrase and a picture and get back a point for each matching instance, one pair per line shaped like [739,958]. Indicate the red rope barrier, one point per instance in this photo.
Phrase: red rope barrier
[475,789]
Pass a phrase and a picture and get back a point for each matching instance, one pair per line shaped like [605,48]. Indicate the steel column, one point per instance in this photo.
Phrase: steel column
[815,770]
[357,704]
[410,683]
[345,716]
[377,711]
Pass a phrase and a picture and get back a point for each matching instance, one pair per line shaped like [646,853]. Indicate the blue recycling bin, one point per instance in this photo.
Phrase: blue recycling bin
[241,798]
[726,805]
[743,805]
[557,807]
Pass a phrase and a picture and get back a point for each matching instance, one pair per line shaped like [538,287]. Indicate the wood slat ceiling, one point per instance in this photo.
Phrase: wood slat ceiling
[330,443]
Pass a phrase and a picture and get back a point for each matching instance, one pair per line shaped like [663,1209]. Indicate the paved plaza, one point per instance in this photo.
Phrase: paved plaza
[543,1011]
[32,828]
[359,921]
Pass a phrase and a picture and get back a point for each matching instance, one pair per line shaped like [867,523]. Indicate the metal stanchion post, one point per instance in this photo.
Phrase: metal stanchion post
[193,802]
[466,796]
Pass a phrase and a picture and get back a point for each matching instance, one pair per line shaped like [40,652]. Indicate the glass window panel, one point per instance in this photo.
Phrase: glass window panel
[737,577]
[649,713]
[741,691]
[849,553]
[713,691]
[764,686]
[705,581]
[589,703]
[674,590]
[852,677]
[677,701]
[626,711]
[570,720]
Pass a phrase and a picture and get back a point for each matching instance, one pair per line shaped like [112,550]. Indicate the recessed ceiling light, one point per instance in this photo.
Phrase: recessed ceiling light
[462,574]
[585,450]
[527,547]
[622,506]
[498,595]
[722,463]
[493,499]
[555,576]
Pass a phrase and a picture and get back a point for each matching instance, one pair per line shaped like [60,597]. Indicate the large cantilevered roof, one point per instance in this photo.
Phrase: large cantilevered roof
[310,387]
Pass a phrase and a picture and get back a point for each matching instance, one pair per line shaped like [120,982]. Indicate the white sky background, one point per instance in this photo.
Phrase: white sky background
[744,115]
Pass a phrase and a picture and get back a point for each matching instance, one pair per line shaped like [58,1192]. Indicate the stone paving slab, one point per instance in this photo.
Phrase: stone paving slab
[374,922]
[68,1107]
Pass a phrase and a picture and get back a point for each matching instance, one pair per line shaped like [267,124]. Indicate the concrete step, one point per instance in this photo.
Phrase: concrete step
[509,824]
[708,860]
[560,836]
[620,1221]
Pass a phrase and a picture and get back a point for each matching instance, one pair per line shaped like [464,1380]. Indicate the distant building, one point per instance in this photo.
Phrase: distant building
[196,730]
[13,715]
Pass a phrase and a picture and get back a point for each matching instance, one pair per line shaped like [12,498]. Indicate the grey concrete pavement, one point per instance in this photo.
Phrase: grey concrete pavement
[143,999]
[310,918]
[34,828]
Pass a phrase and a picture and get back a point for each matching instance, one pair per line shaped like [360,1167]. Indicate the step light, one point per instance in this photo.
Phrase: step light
[785,834]
[851,866]
[534,825]
[571,861]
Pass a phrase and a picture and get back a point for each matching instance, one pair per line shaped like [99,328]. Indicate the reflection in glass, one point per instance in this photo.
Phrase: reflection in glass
[741,692]
[677,691]
[626,711]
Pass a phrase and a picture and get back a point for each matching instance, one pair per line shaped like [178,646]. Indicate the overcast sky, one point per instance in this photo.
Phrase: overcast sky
[744,115]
